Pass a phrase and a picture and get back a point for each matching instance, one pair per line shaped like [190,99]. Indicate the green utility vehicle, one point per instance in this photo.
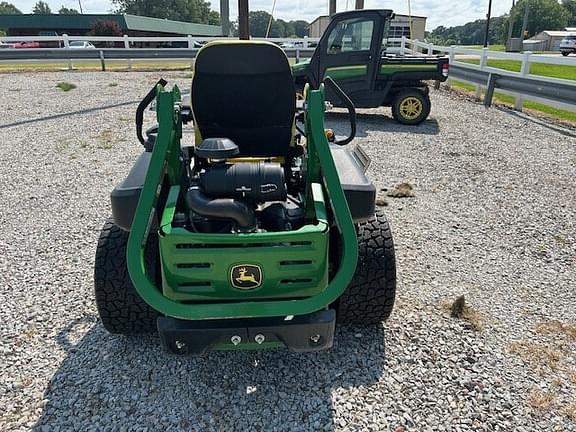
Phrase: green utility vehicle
[352,51]
[253,232]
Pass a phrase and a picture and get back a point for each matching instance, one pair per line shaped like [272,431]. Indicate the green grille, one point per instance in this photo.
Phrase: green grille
[197,266]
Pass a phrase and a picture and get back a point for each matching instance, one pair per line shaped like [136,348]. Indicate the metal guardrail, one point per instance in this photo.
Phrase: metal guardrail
[117,53]
[562,93]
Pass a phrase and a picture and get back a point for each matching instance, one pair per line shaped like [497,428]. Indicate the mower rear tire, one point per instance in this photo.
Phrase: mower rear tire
[369,299]
[120,307]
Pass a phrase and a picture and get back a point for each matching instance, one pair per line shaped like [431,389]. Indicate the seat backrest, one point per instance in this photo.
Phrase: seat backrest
[244,90]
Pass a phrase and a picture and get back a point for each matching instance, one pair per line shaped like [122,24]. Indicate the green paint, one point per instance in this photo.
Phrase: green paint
[346,72]
[323,181]
[399,68]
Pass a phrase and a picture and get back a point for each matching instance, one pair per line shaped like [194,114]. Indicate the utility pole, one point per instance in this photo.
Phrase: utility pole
[225,17]
[80,3]
[487,33]
[243,20]
[359,4]
[524,24]
[332,7]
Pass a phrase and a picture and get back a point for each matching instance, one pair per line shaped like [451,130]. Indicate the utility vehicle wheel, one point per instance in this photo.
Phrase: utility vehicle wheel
[369,299]
[120,307]
[565,53]
[411,106]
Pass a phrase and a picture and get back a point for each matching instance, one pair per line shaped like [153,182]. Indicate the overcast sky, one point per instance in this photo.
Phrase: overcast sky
[439,12]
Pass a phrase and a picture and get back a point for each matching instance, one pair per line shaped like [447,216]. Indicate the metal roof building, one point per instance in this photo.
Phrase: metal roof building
[80,25]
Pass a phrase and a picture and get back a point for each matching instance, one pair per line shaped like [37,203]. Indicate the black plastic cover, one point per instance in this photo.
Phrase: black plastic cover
[124,198]
[217,148]
[359,190]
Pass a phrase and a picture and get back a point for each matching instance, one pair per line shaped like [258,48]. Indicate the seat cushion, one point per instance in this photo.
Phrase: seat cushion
[244,91]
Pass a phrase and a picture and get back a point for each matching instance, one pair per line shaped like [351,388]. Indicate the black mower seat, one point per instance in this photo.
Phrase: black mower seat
[244,91]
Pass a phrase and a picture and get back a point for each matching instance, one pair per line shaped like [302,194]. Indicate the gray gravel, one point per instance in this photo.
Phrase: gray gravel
[494,218]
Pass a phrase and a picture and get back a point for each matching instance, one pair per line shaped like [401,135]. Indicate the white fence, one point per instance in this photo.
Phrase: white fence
[456,54]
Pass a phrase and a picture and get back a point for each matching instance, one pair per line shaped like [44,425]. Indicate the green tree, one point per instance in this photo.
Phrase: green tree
[301,28]
[570,7]
[259,23]
[65,11]
[9,9]
[543,15]
[42,8]
[195,11]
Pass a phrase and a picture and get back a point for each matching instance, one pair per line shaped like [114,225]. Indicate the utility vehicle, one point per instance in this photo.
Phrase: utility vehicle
[568,45]
[255,233]
[352,51]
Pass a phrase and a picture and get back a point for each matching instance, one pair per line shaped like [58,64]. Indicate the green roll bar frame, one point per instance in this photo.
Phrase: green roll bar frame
[165,161]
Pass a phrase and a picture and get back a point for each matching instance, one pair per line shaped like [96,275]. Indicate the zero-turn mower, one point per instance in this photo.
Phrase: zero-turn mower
[256,233]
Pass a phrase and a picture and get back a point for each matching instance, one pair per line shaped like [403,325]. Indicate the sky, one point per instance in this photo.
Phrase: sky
[439,12]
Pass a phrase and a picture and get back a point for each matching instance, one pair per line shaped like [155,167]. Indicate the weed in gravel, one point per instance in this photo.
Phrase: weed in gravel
[65,86]
[540,401]
[402,190]
[105,139]
[460,310]
[537,355]
[570,411]
[555,327]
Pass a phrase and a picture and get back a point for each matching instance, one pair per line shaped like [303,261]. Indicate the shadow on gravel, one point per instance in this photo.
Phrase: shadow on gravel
[378,122]
[112,382]
[68,114]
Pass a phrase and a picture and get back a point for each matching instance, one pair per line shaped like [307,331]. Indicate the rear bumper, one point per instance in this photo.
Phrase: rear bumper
[304,333]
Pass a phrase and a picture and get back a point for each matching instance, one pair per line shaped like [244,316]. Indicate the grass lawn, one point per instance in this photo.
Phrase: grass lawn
[509,100]
[542,69]
[490,47]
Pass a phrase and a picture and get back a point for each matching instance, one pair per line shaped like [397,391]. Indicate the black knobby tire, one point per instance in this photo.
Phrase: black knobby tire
[565,53]
[120,307]
[405,95]
[369,299]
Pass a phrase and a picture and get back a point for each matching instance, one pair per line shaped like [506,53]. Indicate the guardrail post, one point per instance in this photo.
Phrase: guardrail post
[127,46]
[102,62]
[191,46]
[297,54]
[524,71]
[67,45]
[403,45]
[430,49]
[452,52]
[483,61]
[490,90]
[305,44]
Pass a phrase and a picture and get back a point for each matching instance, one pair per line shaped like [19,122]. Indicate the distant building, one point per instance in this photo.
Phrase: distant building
[550,39]
[399,26]
[80,25]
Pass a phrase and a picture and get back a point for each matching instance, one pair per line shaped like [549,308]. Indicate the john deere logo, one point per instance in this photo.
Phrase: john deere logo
[246,276]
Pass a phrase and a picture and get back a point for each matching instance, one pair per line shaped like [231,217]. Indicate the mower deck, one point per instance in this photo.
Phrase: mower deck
[303,333]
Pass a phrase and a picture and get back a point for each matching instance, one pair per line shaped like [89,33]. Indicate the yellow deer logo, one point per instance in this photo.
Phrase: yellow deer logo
[246,276]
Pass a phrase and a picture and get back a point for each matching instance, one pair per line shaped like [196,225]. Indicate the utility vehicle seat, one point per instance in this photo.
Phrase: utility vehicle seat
[244,91]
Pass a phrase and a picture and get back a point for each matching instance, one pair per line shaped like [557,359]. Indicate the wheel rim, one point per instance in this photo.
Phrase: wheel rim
[411,107]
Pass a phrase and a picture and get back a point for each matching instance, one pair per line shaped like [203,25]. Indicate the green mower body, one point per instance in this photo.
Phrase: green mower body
[242,237]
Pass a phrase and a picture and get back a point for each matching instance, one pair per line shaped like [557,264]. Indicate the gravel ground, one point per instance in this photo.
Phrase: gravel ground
[494,218]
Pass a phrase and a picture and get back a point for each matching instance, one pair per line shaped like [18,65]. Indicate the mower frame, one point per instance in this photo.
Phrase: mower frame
[322,181]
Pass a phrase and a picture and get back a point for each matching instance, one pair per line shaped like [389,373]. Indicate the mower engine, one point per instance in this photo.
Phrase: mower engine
[230,194]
